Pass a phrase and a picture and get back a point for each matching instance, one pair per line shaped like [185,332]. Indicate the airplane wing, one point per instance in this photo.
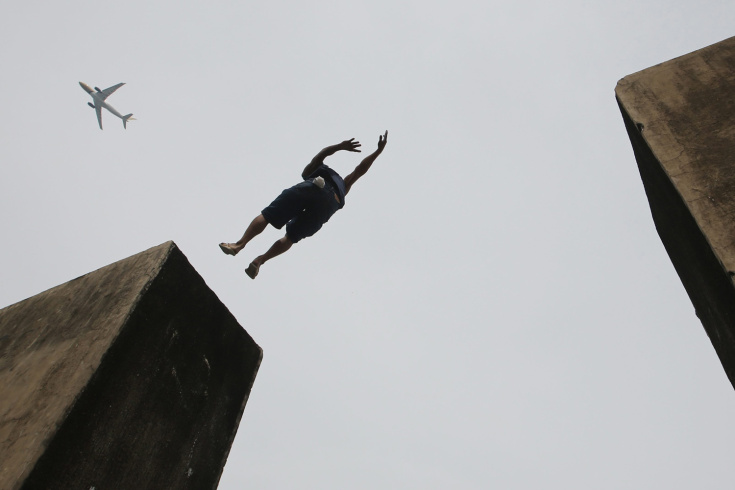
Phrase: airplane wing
[98,109]
[109,91]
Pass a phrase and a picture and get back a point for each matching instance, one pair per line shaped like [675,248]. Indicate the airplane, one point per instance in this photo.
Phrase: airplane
[99,97]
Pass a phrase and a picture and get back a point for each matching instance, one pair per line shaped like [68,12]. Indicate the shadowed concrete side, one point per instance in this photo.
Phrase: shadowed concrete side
[680,117]
[133,376]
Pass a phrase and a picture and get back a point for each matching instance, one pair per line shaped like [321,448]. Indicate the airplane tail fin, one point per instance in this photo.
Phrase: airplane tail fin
[125,120]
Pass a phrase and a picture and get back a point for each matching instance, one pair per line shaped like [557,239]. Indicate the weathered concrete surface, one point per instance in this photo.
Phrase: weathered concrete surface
[132,376]
[680,116]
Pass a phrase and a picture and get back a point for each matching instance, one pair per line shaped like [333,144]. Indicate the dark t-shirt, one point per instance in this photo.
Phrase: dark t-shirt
[332,178]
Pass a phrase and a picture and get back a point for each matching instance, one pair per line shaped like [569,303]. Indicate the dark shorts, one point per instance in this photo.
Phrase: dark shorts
[303,208]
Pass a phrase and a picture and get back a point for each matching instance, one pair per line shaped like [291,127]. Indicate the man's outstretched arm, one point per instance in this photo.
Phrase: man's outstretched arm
[364,166]
[347,145]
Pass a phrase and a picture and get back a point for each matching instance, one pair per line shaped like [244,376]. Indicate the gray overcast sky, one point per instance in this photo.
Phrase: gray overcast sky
[491,309]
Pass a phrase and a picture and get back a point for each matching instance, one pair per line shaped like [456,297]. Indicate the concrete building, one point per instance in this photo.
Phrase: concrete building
[680,117]
[134,376]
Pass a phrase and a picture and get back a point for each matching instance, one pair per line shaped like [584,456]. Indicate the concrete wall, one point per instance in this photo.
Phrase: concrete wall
[132,376]
[680,117]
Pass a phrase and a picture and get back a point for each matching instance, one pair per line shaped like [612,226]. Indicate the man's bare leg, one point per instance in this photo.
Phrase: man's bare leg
[255,228]
[276,249]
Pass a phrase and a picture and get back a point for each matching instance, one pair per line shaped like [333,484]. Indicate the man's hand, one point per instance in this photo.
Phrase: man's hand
[382,140]
[349,145]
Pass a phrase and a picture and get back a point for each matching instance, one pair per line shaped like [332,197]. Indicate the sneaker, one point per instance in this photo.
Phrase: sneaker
[252,270]
[227,248]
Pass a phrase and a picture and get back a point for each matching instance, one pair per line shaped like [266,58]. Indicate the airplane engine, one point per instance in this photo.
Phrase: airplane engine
[98,89]
[90,105]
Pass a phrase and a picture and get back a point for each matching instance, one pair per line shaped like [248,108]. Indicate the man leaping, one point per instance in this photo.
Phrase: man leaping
[305,207]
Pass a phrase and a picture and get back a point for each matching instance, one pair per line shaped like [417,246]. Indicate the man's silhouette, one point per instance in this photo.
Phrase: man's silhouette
[305,207]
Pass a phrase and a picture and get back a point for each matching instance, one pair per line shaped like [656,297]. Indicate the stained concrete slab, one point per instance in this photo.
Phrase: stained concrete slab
[680,117]
[132,376]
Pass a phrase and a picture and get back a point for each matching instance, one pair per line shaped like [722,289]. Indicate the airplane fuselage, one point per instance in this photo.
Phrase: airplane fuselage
[99,100]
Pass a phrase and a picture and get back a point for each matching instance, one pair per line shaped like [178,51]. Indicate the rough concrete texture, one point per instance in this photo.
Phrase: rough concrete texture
[132,376]
[680,117]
